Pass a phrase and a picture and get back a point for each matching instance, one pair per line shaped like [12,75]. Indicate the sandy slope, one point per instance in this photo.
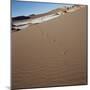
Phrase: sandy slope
[51,54]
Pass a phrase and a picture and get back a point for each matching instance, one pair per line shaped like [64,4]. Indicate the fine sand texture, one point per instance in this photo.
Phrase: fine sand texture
[52,53]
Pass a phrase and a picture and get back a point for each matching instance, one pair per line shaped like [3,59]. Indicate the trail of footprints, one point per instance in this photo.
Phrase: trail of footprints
[45,35]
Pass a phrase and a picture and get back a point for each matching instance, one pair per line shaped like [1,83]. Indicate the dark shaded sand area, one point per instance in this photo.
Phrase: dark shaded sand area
[52,53]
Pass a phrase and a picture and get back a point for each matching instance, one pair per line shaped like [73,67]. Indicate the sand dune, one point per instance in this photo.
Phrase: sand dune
[52,53]
[22,22]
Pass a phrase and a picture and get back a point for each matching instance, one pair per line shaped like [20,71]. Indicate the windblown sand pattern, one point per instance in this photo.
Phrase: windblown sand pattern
[51,53]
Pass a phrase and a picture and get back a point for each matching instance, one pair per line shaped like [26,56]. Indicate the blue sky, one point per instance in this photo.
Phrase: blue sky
[26,8]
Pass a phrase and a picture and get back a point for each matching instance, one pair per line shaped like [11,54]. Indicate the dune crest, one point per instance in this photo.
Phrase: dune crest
[22,22]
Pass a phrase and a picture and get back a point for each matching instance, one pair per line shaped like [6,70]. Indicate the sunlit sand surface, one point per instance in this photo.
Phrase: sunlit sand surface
[52,53]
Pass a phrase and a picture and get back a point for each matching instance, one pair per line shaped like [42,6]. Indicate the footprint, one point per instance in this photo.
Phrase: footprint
[54,40]
[65,52]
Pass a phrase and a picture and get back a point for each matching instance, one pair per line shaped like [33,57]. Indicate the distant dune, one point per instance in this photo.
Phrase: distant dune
[52,53]
[22,22]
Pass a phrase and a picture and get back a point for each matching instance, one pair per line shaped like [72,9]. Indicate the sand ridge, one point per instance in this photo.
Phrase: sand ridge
[23,22]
